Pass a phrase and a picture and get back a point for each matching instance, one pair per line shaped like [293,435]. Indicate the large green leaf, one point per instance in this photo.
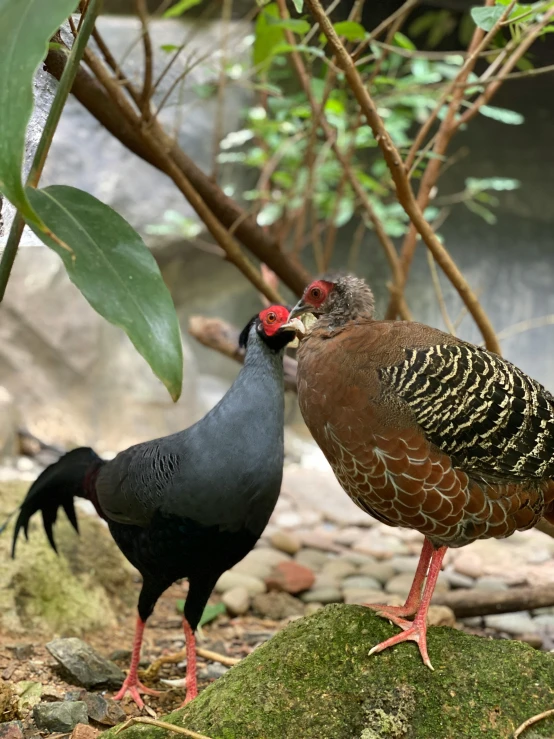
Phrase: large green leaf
[116,273]
[25,30]
[486,17]
[267,36]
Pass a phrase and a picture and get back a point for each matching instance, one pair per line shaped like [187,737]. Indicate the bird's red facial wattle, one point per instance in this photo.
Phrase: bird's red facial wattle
[273,318]
[314,298]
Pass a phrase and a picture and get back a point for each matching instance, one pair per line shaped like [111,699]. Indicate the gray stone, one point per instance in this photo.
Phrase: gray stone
[9,440]
[267,556]
[61,716]
[457,580]
[100,709]
[277,605]
[212,671]
[512,623]
[312,608]
[322,595]
[364,582]
[230,580]
[253,569]
[285,542]
[404,564]
[381,571]
[236,600]
[312,558]
[401,584]
[545,619]
[490,583]
[84,665]
[338,569]
[360,596]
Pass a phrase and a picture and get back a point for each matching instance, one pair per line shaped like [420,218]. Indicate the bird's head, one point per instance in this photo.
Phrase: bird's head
[342,297]
[274,327]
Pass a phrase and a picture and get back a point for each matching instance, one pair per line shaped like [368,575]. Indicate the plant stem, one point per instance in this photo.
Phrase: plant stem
[39,160]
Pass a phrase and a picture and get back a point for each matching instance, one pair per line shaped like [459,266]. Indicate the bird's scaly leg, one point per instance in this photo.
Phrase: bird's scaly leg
[398,614]
[190,645]
[132,684]
[417,630]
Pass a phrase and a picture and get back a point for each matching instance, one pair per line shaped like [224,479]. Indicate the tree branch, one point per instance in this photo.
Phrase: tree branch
[403,188]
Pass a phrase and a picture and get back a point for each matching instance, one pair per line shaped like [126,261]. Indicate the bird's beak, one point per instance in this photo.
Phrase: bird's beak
[295,325]
[299,309]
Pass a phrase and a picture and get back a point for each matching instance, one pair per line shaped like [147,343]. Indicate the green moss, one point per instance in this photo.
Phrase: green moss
[71,594]
[315,680]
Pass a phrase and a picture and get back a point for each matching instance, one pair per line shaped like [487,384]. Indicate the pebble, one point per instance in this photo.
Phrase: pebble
[512,623]
[22,651]
[338,568]
[314,540]
[325,581]
[469,563]
[347,536]
[379,545]
[288,520]
[490,583]
[440,616]
[236,600]
[100,709]
[267,556]
[312,608]
[285,542]
[11,730]
[381,571]
[361,582]
[84,731]
[545,619]
[458,580]
[404,564]
[84,665]
[259,570]
[291,577]
[62,716]
[312,558]
[534,640]
[212,671]
[401,584]
[277,605]
[358,559]
[360,596]
[322,595]
[230,580]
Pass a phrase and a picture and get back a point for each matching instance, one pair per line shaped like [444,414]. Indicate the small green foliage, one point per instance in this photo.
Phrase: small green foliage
[180,8]
[210,612]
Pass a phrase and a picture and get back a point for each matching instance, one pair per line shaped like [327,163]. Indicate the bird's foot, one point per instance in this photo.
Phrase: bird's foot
[192,689]
[412,631]
[134,688]
[396,614]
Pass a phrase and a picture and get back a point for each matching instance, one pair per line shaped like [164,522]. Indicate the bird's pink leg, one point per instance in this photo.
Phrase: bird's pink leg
[398,614]
[417,630]
[190,683]
[132,684]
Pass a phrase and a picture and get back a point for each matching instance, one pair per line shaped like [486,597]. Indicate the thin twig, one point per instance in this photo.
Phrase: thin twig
[226,13]
[533,720]
[142,12]
[161,725]
[439,294]
[215,656]
[522,326]
[401,12]
[403,189]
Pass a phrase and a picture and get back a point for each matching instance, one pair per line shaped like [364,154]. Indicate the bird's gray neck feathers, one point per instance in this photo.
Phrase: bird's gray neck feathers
[349,300]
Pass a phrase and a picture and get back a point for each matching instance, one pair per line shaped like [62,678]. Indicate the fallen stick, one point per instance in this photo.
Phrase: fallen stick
[224,338]
[473,602]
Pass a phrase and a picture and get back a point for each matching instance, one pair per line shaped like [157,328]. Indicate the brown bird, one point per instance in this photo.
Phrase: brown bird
[422,430]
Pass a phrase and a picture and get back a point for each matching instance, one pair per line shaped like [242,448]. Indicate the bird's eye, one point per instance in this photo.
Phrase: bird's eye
[316,293]
[270,318]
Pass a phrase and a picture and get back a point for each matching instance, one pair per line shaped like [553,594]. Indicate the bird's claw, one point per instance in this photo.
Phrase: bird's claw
[134,688]
[413,631]
[396,614]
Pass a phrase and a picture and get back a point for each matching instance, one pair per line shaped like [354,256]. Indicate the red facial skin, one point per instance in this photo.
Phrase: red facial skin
[317,293]
[273,318]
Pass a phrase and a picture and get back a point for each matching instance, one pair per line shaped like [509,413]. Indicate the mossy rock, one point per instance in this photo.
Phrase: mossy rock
[315,680]
[73,593]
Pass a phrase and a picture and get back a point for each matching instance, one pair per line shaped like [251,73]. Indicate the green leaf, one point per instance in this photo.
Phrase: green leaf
[492,183]
[211,611]
[291,24]
[269,214]
[350,30]
[481,211]
[116,273]
[345,211]
[168,47]
[486,17]
[267,36]
[180,8]
[502,114]
[403,41]
[298,5]
[25,30]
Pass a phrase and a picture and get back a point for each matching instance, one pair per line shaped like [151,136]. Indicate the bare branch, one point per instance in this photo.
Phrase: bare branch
[398,172]
[142,12]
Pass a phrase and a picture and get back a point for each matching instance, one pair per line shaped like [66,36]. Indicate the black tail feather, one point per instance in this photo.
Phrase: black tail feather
[54,488]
